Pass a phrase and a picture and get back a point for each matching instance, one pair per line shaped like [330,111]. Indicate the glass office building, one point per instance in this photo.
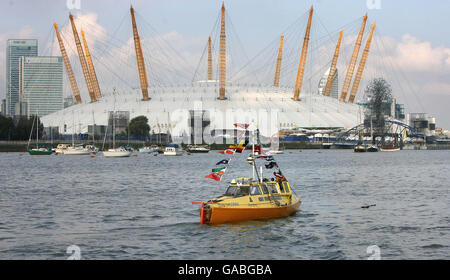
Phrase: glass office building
[41,84]
[15,49]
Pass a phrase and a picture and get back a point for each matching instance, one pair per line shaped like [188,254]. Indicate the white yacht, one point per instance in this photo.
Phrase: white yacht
[77,150]
[117,152]
[173,150]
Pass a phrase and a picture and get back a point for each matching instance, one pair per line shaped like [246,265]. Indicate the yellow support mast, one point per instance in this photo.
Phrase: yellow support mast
[83,62]
[73,82]
[222,56]
[361,66]
[276,80]
[140,58]
[333,66]
[210,70]
[94,79]
[351,66]
[302,63]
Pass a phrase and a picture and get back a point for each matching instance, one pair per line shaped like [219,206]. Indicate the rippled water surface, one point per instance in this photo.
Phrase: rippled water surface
[140,207]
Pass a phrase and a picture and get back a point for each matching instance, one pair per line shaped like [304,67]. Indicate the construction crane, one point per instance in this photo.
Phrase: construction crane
[332,73]
[73,82]
[87,75]
[302,63]
[361,66]
[210,70]
[276,80]
[351,66]
[140,58]
[94,80]
[222,56]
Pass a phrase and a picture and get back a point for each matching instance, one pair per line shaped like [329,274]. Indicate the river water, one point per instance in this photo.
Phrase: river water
[140,207]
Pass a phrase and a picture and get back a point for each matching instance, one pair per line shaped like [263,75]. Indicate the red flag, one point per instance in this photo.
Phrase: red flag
[214,176]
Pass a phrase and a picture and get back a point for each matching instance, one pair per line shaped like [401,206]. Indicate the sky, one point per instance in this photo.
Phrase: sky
[416,33]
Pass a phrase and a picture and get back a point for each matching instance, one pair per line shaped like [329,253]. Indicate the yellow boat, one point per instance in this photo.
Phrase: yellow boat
[249,199]
[255,198]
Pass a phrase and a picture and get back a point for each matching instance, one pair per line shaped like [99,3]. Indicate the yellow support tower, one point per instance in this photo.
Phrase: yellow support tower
[140,58]
[302,63]
[222,57]
[351,66]
[210,70]
[94,80]
[73,82]
[83,62]
[333,66]
[361,66]
[276,80]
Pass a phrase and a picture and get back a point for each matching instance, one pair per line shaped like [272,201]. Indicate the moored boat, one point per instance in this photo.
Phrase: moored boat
[40,151]
[173,150]
[389,148]
[117,152]
[77,151]
[197,149]
[360,148]
[372,149]
[151,149]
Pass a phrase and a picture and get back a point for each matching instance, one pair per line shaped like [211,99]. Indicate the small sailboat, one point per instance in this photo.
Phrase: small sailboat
[37,151]
[251,198]
[116,152]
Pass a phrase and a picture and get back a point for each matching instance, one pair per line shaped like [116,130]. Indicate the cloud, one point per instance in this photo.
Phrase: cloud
[415,55]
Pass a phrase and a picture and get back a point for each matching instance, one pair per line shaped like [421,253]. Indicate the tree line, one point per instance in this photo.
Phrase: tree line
[19,129]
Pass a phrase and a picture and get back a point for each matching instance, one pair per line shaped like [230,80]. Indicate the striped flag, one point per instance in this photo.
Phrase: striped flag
[219,170]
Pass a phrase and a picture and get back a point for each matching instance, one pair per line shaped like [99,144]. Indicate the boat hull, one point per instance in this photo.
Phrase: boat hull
[77,153]
[40,153]
[194,151]
[116,154]
[389,149]
[222,215]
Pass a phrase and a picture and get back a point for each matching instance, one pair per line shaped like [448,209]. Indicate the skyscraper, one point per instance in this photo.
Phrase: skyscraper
[15,49]
[41,84]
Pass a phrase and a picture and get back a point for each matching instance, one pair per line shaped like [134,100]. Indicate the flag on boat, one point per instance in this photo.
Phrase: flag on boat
[223,161]
[271,165]
[278,175]
[219,170]
[214,176]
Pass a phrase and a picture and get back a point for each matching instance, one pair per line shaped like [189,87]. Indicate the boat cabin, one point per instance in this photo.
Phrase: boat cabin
[247,186]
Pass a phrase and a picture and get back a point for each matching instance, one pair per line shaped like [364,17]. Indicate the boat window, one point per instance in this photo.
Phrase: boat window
[254,190]
[286,186]
[230,191]
[264,189]
[281,188]
[272,188]
[243,190]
